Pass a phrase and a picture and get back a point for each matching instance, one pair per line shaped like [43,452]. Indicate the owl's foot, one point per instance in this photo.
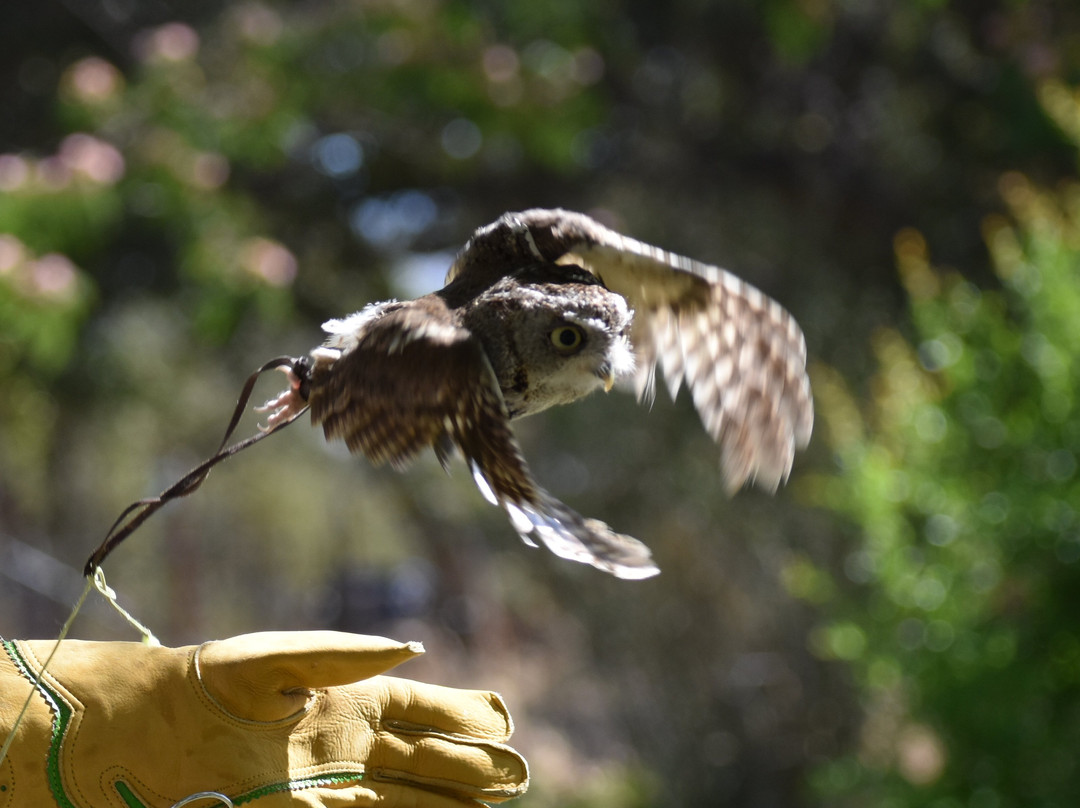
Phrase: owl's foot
[287,405]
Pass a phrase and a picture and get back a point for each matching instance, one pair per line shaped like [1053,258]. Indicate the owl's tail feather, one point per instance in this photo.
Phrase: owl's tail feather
[569,535]
[547,521]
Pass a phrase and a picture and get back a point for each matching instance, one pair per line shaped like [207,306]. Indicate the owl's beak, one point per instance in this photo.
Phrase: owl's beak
[606,374]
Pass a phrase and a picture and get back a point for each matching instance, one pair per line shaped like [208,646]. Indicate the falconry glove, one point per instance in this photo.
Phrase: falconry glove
[269,719]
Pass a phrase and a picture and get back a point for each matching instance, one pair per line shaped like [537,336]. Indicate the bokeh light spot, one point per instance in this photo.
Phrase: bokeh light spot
[14,172]
[53,276]
[388,222]
[93,80]
[12,253]
[338,155]
[93,158]
[269,261]
[920,755]
[172,42]
[941,529]
[461,138]
[501,63]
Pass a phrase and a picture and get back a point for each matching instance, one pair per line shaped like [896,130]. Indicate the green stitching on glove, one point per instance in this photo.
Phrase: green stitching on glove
[132,801]
[297,785]
[61,718]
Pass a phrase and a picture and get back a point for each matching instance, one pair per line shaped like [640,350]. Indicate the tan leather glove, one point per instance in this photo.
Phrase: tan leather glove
[270,719]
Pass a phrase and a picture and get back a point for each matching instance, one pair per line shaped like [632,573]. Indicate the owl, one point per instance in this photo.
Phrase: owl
[541,308]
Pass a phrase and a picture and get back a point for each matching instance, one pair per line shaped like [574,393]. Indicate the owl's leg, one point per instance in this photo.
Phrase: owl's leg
[287,405]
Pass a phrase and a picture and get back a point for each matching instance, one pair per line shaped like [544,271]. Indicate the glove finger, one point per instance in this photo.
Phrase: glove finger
[468,769]
[477,714]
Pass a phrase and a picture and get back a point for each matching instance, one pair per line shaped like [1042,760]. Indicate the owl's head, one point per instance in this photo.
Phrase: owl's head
[553,334]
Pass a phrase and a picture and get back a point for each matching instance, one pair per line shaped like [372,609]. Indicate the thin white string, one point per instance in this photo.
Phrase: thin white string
[109,594]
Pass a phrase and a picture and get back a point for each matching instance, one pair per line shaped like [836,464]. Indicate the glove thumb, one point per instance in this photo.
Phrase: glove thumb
[269,676]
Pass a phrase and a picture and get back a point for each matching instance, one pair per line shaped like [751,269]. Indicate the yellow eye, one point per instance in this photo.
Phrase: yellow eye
[567,338]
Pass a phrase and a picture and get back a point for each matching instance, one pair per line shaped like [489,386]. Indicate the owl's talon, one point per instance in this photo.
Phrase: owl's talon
[286,406]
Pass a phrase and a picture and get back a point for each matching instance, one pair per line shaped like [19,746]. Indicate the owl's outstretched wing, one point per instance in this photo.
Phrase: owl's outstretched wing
[399,377]
[740,354]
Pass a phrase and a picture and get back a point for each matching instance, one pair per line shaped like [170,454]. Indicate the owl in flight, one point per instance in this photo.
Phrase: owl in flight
[541,308]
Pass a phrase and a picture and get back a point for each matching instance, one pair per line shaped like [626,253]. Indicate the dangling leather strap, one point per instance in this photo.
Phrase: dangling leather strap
[145,508]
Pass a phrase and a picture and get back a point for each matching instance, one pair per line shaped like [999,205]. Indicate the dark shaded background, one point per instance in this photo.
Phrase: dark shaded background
[189,189]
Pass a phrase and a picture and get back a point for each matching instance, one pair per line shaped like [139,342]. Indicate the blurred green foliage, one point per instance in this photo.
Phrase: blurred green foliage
[188,191]
[956,606]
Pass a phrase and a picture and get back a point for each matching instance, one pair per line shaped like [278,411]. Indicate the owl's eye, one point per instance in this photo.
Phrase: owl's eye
[567,338]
